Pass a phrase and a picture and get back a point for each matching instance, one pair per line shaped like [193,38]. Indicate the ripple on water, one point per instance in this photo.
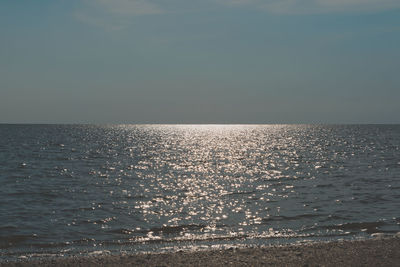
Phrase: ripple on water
[149,187]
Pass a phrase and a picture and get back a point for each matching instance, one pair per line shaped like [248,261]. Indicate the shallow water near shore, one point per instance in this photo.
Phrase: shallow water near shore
[90,189]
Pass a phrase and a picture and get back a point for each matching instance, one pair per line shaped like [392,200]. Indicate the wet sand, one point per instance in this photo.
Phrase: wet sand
[374,252]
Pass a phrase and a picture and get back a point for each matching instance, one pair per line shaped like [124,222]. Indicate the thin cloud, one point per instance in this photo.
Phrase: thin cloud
[115,14]
[315,6]
[125,7]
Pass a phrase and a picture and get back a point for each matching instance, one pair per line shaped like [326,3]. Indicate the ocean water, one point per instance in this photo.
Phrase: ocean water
[92,189]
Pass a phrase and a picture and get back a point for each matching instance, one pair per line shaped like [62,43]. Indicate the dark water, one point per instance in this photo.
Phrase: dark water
[78,189]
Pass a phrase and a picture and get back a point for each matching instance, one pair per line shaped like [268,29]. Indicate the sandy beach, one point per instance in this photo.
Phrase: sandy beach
[374,252]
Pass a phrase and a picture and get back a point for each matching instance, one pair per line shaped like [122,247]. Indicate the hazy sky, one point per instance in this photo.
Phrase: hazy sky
[209,61]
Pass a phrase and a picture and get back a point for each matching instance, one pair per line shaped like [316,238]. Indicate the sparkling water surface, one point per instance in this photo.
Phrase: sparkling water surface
[79,189]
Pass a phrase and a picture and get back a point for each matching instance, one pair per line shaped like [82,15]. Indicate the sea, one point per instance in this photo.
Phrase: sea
[68,190]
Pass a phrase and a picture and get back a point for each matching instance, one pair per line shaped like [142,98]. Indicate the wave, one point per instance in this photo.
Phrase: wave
[368,227]
[291,218]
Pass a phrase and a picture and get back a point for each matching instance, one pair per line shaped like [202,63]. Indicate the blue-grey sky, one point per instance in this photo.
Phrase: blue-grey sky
[210,61]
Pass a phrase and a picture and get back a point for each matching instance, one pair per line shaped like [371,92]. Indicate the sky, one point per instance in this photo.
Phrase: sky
[209,61]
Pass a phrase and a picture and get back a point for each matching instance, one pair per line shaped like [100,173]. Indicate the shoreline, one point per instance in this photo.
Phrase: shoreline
[370,252]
